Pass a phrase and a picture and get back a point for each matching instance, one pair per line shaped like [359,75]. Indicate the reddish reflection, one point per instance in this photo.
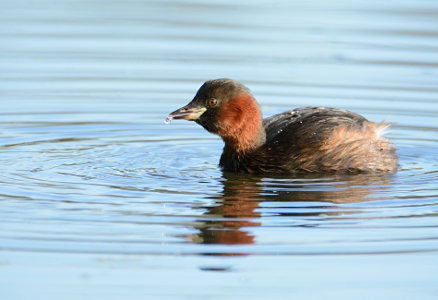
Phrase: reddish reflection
[230,222]
[236,210]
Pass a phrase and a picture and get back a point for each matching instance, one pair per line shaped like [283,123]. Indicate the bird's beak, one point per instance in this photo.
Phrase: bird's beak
[187,113]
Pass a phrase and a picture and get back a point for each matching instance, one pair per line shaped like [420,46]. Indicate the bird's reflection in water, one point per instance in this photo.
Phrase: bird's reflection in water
[236,209]
[239,206]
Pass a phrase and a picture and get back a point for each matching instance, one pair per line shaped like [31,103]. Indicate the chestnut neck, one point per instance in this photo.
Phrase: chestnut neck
[241,124]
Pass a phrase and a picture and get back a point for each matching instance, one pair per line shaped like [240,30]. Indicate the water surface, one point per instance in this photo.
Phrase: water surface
[101,199]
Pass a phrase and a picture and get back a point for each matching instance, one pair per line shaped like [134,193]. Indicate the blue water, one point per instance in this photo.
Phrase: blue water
[101,200]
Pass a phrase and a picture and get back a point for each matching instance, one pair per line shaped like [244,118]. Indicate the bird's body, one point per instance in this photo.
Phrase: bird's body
[309,139]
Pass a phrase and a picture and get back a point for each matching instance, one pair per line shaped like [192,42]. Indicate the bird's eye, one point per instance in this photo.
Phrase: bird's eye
[212,102]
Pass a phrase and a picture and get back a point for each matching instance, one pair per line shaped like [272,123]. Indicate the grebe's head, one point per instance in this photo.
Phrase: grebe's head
[227,108]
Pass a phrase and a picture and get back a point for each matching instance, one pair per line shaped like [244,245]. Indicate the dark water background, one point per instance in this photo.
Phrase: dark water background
[99,199]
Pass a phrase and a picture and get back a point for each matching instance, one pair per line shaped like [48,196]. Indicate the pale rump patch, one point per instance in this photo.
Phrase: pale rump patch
[381,129]
[240,121]
[344,134]
[363,148]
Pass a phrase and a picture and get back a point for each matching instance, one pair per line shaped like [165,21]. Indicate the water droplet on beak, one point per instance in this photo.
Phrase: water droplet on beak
[168,119]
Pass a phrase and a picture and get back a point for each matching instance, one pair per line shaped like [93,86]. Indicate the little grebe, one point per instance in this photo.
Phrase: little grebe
[308,139]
